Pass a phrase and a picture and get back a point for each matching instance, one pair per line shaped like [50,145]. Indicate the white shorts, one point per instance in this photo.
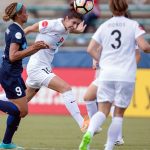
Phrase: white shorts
[39,77]
[117,92]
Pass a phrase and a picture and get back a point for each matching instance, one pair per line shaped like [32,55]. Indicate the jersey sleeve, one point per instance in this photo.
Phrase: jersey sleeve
[97,35]
[138,30]
[45,26]
[16,36]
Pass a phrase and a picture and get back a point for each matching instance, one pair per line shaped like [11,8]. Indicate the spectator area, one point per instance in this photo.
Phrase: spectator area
[47,9]
[44,9]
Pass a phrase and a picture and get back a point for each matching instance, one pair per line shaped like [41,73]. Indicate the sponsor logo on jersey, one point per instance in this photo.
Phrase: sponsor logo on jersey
[44,24]
[18,35]
[60,42]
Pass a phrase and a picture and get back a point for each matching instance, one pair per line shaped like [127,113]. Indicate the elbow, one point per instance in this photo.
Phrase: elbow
[146,50]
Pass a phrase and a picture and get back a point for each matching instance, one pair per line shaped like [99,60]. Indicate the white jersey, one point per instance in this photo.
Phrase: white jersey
[118,39]
[54,34]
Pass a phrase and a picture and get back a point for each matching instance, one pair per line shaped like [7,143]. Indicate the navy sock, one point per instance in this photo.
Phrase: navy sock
[12,125]
[9,108]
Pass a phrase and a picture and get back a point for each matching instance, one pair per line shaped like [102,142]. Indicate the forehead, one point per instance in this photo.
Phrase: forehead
[77,20]
[23,8]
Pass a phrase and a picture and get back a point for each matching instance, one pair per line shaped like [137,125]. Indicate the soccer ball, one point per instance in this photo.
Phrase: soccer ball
[83,6]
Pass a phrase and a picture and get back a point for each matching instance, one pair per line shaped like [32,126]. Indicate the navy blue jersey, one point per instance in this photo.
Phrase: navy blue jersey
[13,34]
[10,72]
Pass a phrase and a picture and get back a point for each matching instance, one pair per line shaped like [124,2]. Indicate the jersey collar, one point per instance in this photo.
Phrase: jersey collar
[18,25]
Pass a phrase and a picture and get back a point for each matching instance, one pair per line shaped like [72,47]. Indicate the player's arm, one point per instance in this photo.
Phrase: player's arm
[143,44]
[32,28]
[15,54]
[94,49]
[138,56]
[96,63]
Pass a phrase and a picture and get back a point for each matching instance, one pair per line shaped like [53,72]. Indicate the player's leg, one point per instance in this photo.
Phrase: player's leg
[114,128]
[59,85]
[105,96]
[90,99]
[124,91]
[13,122]
[16,107]
[3,97]
[30,92]
[119,140]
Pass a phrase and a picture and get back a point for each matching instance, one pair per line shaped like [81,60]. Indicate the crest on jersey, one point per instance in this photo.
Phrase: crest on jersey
[44,24]
[18,35]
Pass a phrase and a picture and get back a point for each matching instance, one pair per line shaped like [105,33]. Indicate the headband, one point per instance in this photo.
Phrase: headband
[18,7]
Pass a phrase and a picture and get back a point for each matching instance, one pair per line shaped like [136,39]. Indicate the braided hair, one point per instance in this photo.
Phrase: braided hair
[11,11]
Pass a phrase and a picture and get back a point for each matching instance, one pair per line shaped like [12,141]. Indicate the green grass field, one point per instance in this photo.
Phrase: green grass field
[62,133]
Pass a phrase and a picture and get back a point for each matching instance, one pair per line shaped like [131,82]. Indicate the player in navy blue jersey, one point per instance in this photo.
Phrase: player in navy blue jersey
[11,69]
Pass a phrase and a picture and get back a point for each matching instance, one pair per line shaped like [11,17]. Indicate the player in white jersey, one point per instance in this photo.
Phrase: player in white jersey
[91,100]
[117,37]
[39,68]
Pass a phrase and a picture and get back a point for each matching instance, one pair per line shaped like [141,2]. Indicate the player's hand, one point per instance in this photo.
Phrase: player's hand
[40,45]
[81,27]
[95,65]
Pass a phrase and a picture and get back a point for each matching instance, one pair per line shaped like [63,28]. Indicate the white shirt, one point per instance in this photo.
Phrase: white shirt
[118,38]
[54,34]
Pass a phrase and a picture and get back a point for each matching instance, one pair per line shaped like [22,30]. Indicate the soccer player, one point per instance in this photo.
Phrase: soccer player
[39,68]
[11,69]
[91,100]
[117,37]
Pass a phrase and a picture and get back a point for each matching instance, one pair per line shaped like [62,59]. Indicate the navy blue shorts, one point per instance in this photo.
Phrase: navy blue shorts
[13,86]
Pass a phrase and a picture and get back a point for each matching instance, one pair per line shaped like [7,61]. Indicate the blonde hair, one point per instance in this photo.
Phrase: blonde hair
[10,12]
[118,7]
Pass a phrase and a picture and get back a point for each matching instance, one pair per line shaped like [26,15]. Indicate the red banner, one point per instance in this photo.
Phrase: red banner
[48,101]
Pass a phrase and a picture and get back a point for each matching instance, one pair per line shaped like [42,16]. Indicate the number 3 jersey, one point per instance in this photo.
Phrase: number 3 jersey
[118,39]
[54,34]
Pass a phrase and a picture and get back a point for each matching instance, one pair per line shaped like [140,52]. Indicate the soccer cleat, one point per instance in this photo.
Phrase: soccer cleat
[85,124]
[7,146]
[85,141]
[119,142]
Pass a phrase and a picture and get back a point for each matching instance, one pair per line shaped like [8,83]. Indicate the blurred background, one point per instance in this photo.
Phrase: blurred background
[72,62]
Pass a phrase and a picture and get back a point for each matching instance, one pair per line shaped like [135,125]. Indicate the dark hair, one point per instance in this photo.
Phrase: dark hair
[118,7]
[11,11]
[73,14]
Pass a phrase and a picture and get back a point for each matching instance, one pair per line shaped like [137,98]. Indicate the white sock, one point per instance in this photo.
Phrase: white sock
[91,107]
[112,114]
[3,97]
[120,135]
[96,121]
[113,132]
[72,107]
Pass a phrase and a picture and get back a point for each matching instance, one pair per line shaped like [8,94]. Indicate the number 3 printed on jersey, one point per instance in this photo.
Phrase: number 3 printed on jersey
[117,35]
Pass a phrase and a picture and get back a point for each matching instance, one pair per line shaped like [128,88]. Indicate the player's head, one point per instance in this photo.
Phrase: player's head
[72,19]
[15,12]
[118,7]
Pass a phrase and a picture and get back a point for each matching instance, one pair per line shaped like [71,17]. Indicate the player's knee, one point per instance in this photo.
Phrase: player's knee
[23,113]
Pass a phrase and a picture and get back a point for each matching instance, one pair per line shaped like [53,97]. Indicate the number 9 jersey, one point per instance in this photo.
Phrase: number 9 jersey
[10,72]
[118,37]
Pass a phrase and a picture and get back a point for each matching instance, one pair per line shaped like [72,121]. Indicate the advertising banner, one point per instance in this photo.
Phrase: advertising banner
[48,101]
